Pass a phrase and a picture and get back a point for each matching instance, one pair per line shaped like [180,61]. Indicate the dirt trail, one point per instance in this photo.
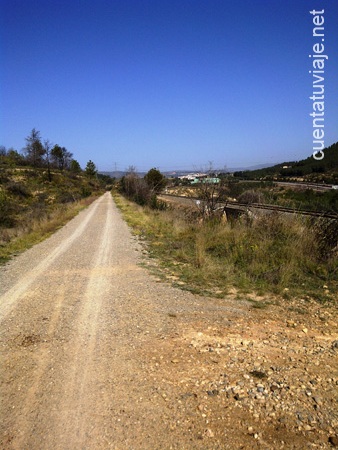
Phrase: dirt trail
[98,354]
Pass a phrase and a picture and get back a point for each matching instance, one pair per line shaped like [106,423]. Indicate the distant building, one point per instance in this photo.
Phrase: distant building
[193,176]
[207,180]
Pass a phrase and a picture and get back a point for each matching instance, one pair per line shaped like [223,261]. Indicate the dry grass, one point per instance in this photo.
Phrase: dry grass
[270,255]
[32,206]
[30,232]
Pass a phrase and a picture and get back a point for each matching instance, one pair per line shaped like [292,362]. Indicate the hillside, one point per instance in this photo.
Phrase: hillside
[309,169]
[35,202]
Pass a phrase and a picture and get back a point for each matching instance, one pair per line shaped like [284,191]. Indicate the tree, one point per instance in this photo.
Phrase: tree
[210,191]
[56,155]
[129,182]
[74,166]
[155,180]
[47,147]
[136,188]
[90,169]
[3,154]
[34,150]
[131,170]
[61,157]
[13,157]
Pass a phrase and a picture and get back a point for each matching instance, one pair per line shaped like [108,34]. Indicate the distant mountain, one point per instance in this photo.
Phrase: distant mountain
[256,167]
[115,174]
[179,173]
[320,170]
[325,169]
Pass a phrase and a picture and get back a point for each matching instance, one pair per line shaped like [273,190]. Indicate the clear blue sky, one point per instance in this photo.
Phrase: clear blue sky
[165,83]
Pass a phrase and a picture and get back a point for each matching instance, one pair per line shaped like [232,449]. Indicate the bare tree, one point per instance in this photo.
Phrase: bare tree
[210,191]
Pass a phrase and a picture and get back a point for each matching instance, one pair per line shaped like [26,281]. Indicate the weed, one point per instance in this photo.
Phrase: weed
[32,207]
[37,229]
[257,304]
[18,189]
[272,254]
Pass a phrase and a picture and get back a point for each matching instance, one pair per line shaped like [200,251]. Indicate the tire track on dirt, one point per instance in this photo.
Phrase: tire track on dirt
[54,295]
[75,402]
[98,354]
[9,299]
[28,416]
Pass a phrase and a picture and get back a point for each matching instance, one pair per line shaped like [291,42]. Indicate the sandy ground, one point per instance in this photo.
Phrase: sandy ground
[96,353]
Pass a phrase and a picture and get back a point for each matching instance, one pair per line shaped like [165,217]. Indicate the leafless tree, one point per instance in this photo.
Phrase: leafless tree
[210,191]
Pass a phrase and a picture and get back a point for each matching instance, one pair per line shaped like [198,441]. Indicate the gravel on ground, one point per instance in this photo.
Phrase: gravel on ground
[97,353]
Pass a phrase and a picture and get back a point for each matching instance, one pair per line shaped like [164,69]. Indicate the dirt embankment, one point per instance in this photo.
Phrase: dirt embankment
[98,354]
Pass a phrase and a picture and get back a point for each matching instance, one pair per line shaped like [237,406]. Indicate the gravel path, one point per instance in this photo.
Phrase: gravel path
[98,354]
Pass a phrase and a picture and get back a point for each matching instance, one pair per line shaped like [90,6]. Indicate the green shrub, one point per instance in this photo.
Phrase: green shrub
[85,191]
[251,196]
[18,189]
[6,210]
[326,235]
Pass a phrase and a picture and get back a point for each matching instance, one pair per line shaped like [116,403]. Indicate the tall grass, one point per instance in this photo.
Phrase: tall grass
[32,230]
[271,254]
[32,205]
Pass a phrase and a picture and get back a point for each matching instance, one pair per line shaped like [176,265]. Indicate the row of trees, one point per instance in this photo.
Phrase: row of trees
[143,190]
[38,153]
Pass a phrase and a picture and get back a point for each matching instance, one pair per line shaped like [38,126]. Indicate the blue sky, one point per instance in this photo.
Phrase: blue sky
[167,84]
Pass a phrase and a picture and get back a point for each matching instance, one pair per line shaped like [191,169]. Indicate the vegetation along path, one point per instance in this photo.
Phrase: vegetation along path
[96,353]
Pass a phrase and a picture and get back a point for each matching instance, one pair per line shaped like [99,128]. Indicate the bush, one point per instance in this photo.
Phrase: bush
[269,254]
[18,189]
[157,204]
[326,235]
[6,210]
[66,197]
[85,191]
[136,189]
[251,196]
